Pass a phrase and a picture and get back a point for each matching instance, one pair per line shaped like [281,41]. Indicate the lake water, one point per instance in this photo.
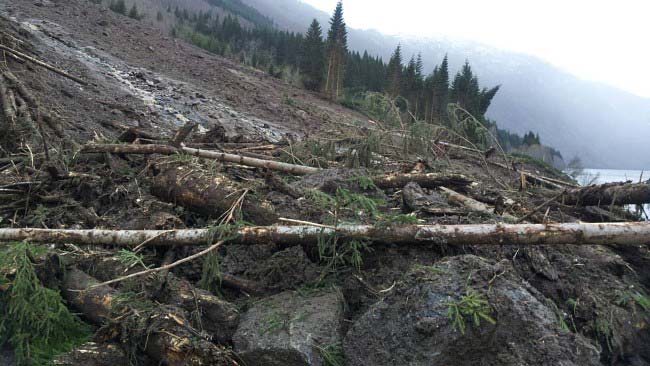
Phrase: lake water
[600,176]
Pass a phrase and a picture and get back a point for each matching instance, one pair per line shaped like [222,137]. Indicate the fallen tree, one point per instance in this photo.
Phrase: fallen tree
[629,233]
[167,335]
[426,180]
[171,150]
[208,196]
[472,204]
[608,194]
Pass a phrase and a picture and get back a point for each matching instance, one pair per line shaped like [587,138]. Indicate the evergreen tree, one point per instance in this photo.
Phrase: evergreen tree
[394,79]
[337,48]
[440,90]
[486,98]
[133,13]
[118,6]
[465,90]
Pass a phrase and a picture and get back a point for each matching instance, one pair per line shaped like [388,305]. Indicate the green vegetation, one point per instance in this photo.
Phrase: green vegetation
[118,6]
[272,323]
[324,64]
[471,307]
[34,320]
[332,354]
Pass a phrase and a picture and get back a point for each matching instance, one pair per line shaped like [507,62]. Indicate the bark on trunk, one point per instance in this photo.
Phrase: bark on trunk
[609,194]
[472,204]
[210,197]
[631,233]
[217,317]
[430,180]
[170,150]
[169,337]
[94,354]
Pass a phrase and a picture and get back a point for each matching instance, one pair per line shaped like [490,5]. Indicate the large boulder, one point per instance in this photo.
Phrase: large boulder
[412,325]
[290,329]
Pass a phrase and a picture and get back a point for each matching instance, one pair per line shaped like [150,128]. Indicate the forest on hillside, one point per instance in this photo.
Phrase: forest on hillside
[321,61]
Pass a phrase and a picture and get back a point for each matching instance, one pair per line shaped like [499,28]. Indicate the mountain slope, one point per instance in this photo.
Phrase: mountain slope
[605,126]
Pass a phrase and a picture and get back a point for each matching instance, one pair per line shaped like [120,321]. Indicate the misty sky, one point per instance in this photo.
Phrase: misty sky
[607,41]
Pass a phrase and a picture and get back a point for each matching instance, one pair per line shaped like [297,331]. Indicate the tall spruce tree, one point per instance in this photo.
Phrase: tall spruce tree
[313,65]
[337,48]
[394,77]
[440,92]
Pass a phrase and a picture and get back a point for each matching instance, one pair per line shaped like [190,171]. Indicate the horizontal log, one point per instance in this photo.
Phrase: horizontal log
[170,339]
[425,180]
[609,194]
[208,196]
[170,150]
[631,233]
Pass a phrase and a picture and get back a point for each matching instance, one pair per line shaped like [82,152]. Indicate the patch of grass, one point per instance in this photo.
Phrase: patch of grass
[181,158]
[642,300]
[401,219]
[604,331]
[332,354]
[471,307]
[366,183]
[34,319]
[272,323]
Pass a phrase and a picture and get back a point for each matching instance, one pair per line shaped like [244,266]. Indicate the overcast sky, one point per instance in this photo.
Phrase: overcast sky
[606,41]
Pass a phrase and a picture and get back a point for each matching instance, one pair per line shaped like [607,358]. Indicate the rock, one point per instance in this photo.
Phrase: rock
[284,270]
[415,198]
[287,329]
[411,326]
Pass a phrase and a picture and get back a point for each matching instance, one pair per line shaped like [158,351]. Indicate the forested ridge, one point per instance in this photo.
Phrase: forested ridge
[321,61]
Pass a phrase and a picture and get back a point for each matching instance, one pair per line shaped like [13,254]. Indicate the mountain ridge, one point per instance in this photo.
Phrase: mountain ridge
[534,95]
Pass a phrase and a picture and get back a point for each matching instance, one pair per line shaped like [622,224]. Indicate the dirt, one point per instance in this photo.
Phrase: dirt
[575,305]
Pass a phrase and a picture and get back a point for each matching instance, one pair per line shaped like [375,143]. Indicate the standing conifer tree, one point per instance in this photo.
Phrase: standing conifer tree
[440,90]
[313,57]
[337,48]
[394,79]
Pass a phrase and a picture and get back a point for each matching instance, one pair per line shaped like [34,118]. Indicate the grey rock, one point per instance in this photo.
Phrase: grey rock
[287,329]
[411,325]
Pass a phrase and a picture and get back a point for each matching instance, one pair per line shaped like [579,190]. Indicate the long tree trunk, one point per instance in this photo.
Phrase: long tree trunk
[169,338]
[632,233]
[425,180]
[216,316]
[170,150]
[472,204]
[609,194]
[428,180]
[210,197]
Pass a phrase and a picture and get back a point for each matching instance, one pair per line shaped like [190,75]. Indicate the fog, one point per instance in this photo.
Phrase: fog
[597,40]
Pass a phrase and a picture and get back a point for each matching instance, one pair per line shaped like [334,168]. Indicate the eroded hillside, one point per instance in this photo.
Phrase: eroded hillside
[310,285]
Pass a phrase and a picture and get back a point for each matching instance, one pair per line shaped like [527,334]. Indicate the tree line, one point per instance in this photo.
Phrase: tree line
[320,61]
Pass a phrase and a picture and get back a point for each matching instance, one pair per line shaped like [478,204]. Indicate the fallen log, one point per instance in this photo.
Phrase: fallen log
[617,194]
[427,180]
[430,180]
[630,233]
[168,337]
[93,354]
[216,316]
[42,64]
[472,204]
[170,150]
[207,196]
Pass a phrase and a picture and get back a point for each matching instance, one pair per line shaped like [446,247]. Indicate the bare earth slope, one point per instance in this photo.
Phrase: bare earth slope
[278,304]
